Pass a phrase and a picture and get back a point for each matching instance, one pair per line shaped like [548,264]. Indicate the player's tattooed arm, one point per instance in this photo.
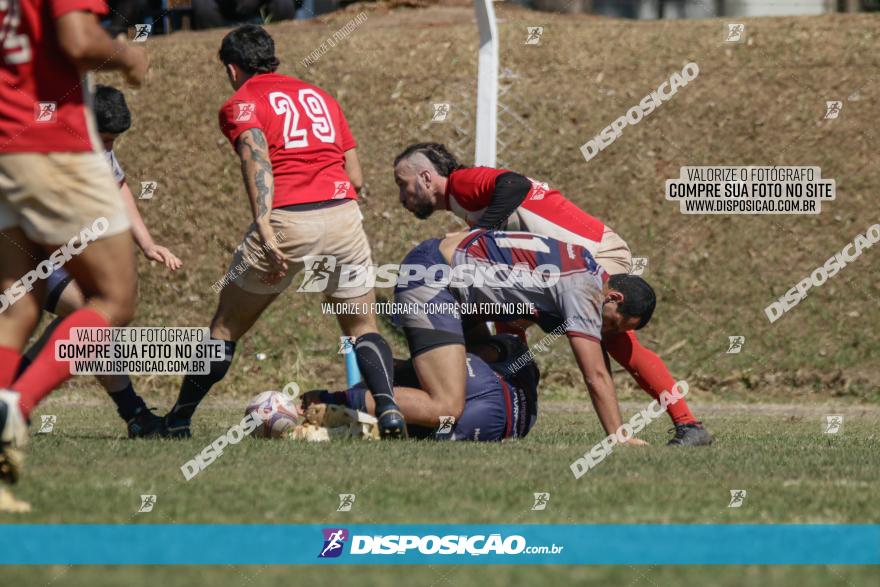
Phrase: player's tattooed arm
[256,171]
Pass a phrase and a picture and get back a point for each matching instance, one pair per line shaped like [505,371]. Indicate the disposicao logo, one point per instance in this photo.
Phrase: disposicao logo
[334,541]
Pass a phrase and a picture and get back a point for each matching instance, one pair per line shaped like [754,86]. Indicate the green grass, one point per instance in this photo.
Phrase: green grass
[87,472]
[506,576]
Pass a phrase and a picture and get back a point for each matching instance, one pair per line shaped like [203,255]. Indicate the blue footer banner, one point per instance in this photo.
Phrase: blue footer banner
[171,544]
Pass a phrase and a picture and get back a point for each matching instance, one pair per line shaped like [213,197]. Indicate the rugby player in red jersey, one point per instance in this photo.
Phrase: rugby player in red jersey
[112,118]
[431,179]
[301,173]
[56,191]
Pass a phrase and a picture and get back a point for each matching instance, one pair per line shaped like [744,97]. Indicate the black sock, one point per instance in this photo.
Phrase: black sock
[196,387]
[28,356]
[128,403]
[23,365]
[376,364]
[338,398]
[355,398]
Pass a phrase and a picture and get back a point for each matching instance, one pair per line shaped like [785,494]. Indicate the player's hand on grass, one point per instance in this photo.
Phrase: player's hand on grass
[137,64]
[164,256]
[636,442]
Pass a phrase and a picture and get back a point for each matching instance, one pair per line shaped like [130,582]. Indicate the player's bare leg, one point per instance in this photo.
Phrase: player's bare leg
[442,371]
[17,323]
[375,362]
[105,271]
[139,419]
[237,311]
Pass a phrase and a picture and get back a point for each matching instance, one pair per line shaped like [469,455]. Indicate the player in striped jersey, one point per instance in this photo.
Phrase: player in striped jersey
[529,277]
[431,179]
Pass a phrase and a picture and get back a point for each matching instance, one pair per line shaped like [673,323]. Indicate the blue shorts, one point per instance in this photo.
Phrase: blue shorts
[435,321]
[57,281]
[494,409]
[496,405]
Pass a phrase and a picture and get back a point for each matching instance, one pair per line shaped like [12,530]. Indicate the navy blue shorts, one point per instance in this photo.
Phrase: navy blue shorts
[434,319]
[494,409]
[55,284]
[495,406]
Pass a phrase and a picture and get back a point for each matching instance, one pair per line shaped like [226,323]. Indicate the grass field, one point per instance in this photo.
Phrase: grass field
[85,471]
[758,103]
[502,576]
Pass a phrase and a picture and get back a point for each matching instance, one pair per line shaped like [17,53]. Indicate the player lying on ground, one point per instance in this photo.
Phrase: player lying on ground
[56,191]
[501,395]
[63,296]
[557,285]
[301,173]
[430,179]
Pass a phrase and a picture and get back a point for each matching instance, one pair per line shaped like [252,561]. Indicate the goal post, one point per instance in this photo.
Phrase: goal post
[487,85]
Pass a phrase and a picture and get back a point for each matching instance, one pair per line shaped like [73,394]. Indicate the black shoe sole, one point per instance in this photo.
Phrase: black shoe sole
[394,430]
[676,442]
[156,433]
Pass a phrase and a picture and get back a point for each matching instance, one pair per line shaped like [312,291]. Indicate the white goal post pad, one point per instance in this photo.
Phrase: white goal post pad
[487,84]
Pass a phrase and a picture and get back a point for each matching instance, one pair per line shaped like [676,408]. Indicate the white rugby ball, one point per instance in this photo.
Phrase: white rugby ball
[278,412]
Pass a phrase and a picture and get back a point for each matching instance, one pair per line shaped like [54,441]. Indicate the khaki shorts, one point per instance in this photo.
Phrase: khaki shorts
[613,253]
[54,196]
[329,243]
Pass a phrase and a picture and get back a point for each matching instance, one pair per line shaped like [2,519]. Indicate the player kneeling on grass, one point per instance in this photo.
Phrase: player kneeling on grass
[63,296]
[301,173]
[501,394]
[431,179]
[514,276]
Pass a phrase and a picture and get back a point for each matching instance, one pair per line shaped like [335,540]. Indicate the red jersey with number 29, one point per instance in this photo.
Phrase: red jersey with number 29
[545,211]
[42,97]
[306,131]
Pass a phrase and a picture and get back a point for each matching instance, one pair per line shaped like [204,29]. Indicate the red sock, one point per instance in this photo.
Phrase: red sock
[9,360]
[46,372]
[648,370]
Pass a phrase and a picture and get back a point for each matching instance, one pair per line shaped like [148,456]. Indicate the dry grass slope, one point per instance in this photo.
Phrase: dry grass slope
[760,103]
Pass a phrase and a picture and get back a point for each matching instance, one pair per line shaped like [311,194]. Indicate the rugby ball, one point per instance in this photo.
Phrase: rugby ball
[277,411]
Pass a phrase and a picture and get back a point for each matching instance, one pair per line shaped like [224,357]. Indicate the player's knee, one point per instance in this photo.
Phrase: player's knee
[360,325]
[124,310]
[119,308]
[224,327]
[451,405]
